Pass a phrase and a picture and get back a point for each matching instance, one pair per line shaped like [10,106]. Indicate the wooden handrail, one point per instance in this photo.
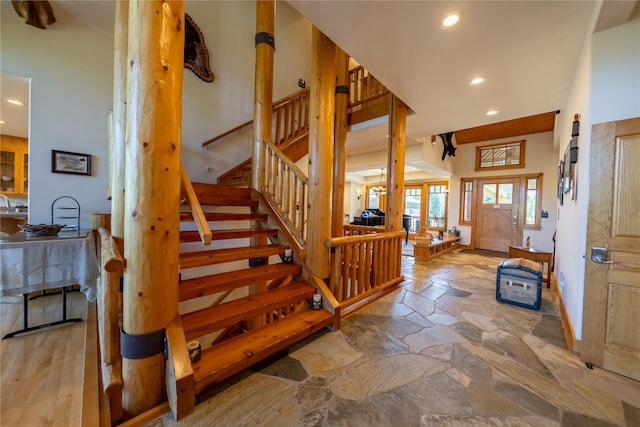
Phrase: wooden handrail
[196,210]
[375,237]
[227,133]
[359,230]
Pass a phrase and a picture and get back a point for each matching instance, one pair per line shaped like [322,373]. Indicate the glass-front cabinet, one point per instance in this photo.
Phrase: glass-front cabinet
[14,165]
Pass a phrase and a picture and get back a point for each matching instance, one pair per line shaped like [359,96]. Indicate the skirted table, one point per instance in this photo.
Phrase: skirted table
[39,263]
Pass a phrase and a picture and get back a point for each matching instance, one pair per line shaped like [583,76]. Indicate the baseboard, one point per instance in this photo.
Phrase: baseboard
[572,343]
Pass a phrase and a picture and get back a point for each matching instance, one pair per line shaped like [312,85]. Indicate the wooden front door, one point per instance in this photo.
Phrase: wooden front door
[498,221]
[611,311]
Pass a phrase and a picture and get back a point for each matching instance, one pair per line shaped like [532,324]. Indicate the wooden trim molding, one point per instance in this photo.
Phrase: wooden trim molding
[572,342]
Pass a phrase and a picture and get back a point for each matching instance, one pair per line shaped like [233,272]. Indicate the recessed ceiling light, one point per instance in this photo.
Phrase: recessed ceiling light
[14,101]
[450,20]
[492,112]
[2,122]
[477,81]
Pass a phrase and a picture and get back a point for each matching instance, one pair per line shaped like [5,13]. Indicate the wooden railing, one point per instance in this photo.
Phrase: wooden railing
[286,190]
[112,265]
[196,209]
[292,119]
[364,265]
[359,230]
[363,87]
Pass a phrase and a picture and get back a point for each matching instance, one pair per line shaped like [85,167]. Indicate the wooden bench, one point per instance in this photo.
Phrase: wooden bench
[424,253]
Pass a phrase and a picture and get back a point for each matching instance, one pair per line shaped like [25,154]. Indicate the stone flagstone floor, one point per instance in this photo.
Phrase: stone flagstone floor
[437,351]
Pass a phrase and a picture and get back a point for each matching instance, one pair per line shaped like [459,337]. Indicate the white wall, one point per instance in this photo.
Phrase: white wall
[606,87]
[71,67]
[540,157]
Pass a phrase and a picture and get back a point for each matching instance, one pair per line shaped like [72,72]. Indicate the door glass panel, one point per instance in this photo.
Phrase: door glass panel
[412,202]
[505,194]
[437,206]
[489,194]
[7,168]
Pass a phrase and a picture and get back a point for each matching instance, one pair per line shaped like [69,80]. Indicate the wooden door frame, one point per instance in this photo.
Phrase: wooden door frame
[474,197]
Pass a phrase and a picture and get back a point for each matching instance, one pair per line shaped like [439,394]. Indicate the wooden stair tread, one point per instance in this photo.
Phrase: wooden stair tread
[223,195]
[217,256]
[207,285]
[238,353]
[223,216]
[238,233]
[211,319]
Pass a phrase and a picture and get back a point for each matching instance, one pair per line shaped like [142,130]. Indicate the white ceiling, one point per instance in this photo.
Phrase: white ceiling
[526,50]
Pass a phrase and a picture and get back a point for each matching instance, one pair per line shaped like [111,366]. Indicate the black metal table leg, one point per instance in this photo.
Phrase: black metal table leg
[25,316]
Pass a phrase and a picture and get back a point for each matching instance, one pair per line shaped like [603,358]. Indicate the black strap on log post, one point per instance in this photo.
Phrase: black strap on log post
[142,346]
[342,89]
[264,37]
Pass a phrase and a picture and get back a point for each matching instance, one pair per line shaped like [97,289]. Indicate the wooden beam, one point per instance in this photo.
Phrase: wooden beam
[152,189]
[523,126]
[263,92]
[321,120]
[340,147]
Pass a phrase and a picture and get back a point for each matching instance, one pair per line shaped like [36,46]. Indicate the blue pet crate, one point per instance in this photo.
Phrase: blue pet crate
[519,282]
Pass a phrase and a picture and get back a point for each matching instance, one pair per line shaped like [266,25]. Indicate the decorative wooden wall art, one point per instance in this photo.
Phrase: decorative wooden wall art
[36,13]
[196,56]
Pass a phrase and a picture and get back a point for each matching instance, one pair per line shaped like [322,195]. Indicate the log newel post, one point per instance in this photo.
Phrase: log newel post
[263,91]
[340,147]
[321,136]
[395,164]
[118,133]
[152,190]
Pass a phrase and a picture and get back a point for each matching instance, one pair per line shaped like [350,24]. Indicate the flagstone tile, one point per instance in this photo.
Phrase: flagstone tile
[388,409]
[386,309]
[442,319]
[550,329]
[571,419]
[441,352]
[432,336]
[483,322]
[433,292]
[419,319]
[285,367]
[468,330]
[459,376]
[475,368]
[471,421]
[422,305]
[372,340]
[504,343]
[440,394]
[318,361]
[527,400]
[371,376]
[486,401]
[600,401]
[312,395]
[397,327]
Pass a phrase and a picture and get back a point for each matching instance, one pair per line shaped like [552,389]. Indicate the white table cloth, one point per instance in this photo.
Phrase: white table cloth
[39,263]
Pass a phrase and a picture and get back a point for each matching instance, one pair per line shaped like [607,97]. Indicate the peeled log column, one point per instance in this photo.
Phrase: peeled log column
[321,119]
[118,133]
[263,91]
[152,189]
[340,146]
[395,164]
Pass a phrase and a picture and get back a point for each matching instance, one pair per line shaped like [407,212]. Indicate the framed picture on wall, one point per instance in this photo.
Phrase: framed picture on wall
[71,163]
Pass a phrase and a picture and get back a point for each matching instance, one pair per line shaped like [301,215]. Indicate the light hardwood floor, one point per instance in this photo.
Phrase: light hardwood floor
[42,371]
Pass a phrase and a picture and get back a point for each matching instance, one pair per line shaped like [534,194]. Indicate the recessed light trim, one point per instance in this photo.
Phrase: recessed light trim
[2,122]
[15,102]
[450,20]
[492,112]
[477,80]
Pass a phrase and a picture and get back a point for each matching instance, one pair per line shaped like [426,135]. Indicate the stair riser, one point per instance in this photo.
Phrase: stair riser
[264,346]
[229,281]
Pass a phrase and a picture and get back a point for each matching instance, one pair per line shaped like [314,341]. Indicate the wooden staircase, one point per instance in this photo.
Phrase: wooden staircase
[239,259]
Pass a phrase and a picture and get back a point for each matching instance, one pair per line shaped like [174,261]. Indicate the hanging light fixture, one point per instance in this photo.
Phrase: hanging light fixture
[381,189]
